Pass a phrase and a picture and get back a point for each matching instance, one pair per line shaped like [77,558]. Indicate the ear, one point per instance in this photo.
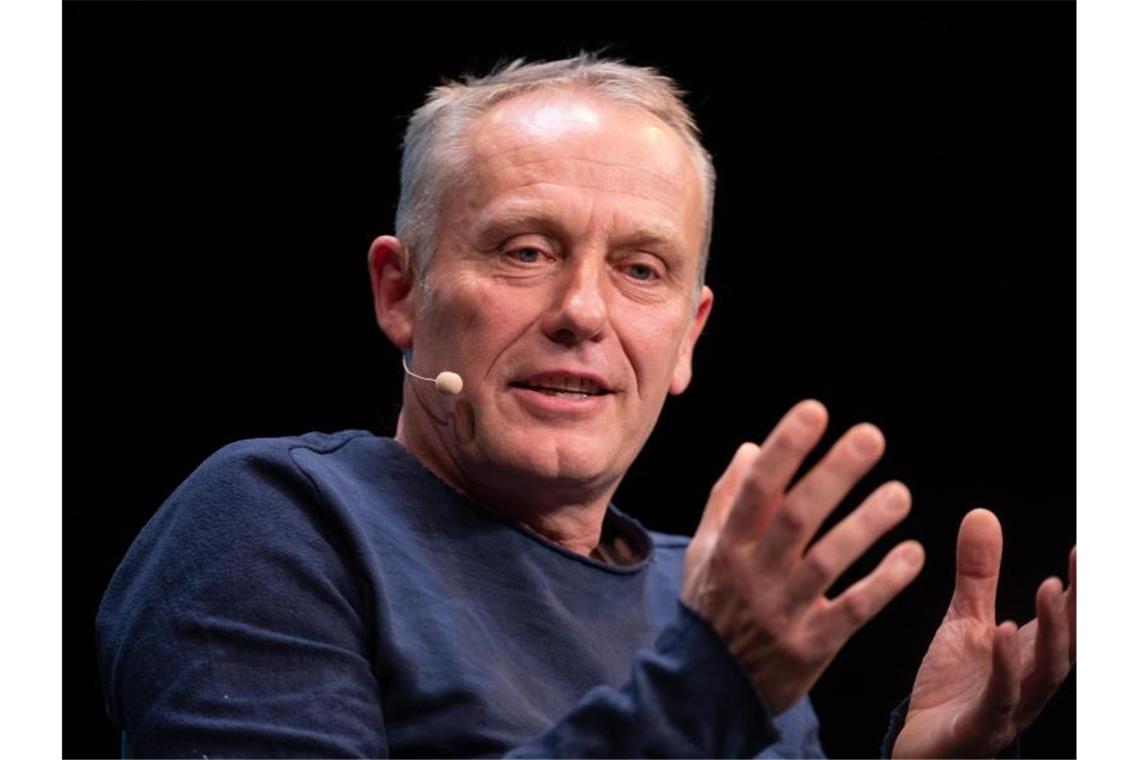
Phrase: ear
[683,370]
[393,294]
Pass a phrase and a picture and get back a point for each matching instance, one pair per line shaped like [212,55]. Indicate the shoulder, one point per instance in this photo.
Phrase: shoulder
[250,515]
[244,558]
[264,471]
[246,500]
[241,456]
[243,479]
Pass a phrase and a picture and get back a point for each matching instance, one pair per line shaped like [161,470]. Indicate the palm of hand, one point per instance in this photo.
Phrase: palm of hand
[950,693]
[980,684]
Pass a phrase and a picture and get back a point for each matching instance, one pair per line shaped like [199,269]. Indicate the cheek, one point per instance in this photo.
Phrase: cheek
[653,341]
[472,315]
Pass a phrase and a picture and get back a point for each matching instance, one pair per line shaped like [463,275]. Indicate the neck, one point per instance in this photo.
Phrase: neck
[569,514]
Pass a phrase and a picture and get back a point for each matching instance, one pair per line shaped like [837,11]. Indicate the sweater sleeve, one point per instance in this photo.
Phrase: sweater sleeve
[237,626]
[687,698]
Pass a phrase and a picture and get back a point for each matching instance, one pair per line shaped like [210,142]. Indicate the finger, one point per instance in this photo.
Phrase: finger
[1071,605]
[1050,652]
[841,617]
[992,720]
[820,491]
[978,565]
[836,551]
[1052,648]
[780,456]
[725,491]
[1027,644]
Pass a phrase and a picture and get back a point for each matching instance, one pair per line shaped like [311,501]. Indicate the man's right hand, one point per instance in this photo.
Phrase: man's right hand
[750,572]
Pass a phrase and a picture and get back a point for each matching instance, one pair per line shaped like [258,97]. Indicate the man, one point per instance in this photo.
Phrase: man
[468,588]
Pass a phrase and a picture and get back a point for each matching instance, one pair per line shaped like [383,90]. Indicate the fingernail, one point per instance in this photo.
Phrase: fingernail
[810,414]
[896,498]
[912,554]
[866,442]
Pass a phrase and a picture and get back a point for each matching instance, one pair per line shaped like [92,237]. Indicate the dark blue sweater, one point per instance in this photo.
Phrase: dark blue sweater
[327,595]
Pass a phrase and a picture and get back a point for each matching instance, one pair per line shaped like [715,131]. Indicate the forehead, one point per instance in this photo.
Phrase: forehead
[568,140]
[567,120]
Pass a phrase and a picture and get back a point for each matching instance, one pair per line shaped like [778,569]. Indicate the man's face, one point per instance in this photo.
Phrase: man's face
[562,290]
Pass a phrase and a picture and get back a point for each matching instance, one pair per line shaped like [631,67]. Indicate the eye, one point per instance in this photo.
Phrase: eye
[642,272]
[526,255]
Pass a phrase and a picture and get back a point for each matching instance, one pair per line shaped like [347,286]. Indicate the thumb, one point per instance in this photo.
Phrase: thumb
[978,565]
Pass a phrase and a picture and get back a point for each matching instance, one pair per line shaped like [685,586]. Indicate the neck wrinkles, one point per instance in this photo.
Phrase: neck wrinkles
[568,514]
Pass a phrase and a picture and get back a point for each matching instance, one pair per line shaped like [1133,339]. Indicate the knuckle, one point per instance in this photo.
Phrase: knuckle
[730,480]
[873,518]
[856,609]
[769,622]
[851,461]
[722,561]
[1005,705]
[805,496]
[770,628]
[799,653]
[791,521]
[757,486]
[1002,733]
[786,441]
[796,656]
[719,489]
[818,567]
[879,515]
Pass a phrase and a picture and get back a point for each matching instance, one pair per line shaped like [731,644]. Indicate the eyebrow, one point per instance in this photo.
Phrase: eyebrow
[510,219]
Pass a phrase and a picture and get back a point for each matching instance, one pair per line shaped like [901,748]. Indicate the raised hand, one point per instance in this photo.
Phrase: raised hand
[750,572]
[981,684]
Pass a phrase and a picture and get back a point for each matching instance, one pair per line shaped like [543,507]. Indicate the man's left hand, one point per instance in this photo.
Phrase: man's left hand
[982,684]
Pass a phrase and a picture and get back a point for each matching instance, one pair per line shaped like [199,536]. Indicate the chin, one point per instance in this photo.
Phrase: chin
[555,456]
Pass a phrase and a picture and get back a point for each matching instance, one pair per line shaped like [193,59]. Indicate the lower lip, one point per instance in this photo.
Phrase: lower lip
[555,406]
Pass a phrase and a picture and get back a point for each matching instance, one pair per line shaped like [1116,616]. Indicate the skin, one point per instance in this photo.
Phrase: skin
[750,571]
[754,572]
[981,684]
[573,245]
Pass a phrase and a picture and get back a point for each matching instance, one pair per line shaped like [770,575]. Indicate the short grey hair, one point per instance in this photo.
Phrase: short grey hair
[435,157]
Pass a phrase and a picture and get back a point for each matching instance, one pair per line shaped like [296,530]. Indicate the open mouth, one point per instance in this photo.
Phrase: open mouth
[563,386]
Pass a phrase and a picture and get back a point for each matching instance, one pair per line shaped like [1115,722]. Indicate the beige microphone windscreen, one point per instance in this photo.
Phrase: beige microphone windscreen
[449,383]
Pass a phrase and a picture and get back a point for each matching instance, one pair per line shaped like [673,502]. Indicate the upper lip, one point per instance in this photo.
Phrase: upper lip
[571,380]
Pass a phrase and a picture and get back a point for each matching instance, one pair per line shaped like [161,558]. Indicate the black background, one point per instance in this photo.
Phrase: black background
[895,235]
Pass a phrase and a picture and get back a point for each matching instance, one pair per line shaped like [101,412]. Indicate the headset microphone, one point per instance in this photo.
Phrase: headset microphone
[447,383]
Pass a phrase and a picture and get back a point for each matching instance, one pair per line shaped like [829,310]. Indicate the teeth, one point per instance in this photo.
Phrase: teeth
[575,386]
[563,394]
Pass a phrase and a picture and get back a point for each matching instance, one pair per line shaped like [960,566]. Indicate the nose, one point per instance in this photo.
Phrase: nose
[578,312]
